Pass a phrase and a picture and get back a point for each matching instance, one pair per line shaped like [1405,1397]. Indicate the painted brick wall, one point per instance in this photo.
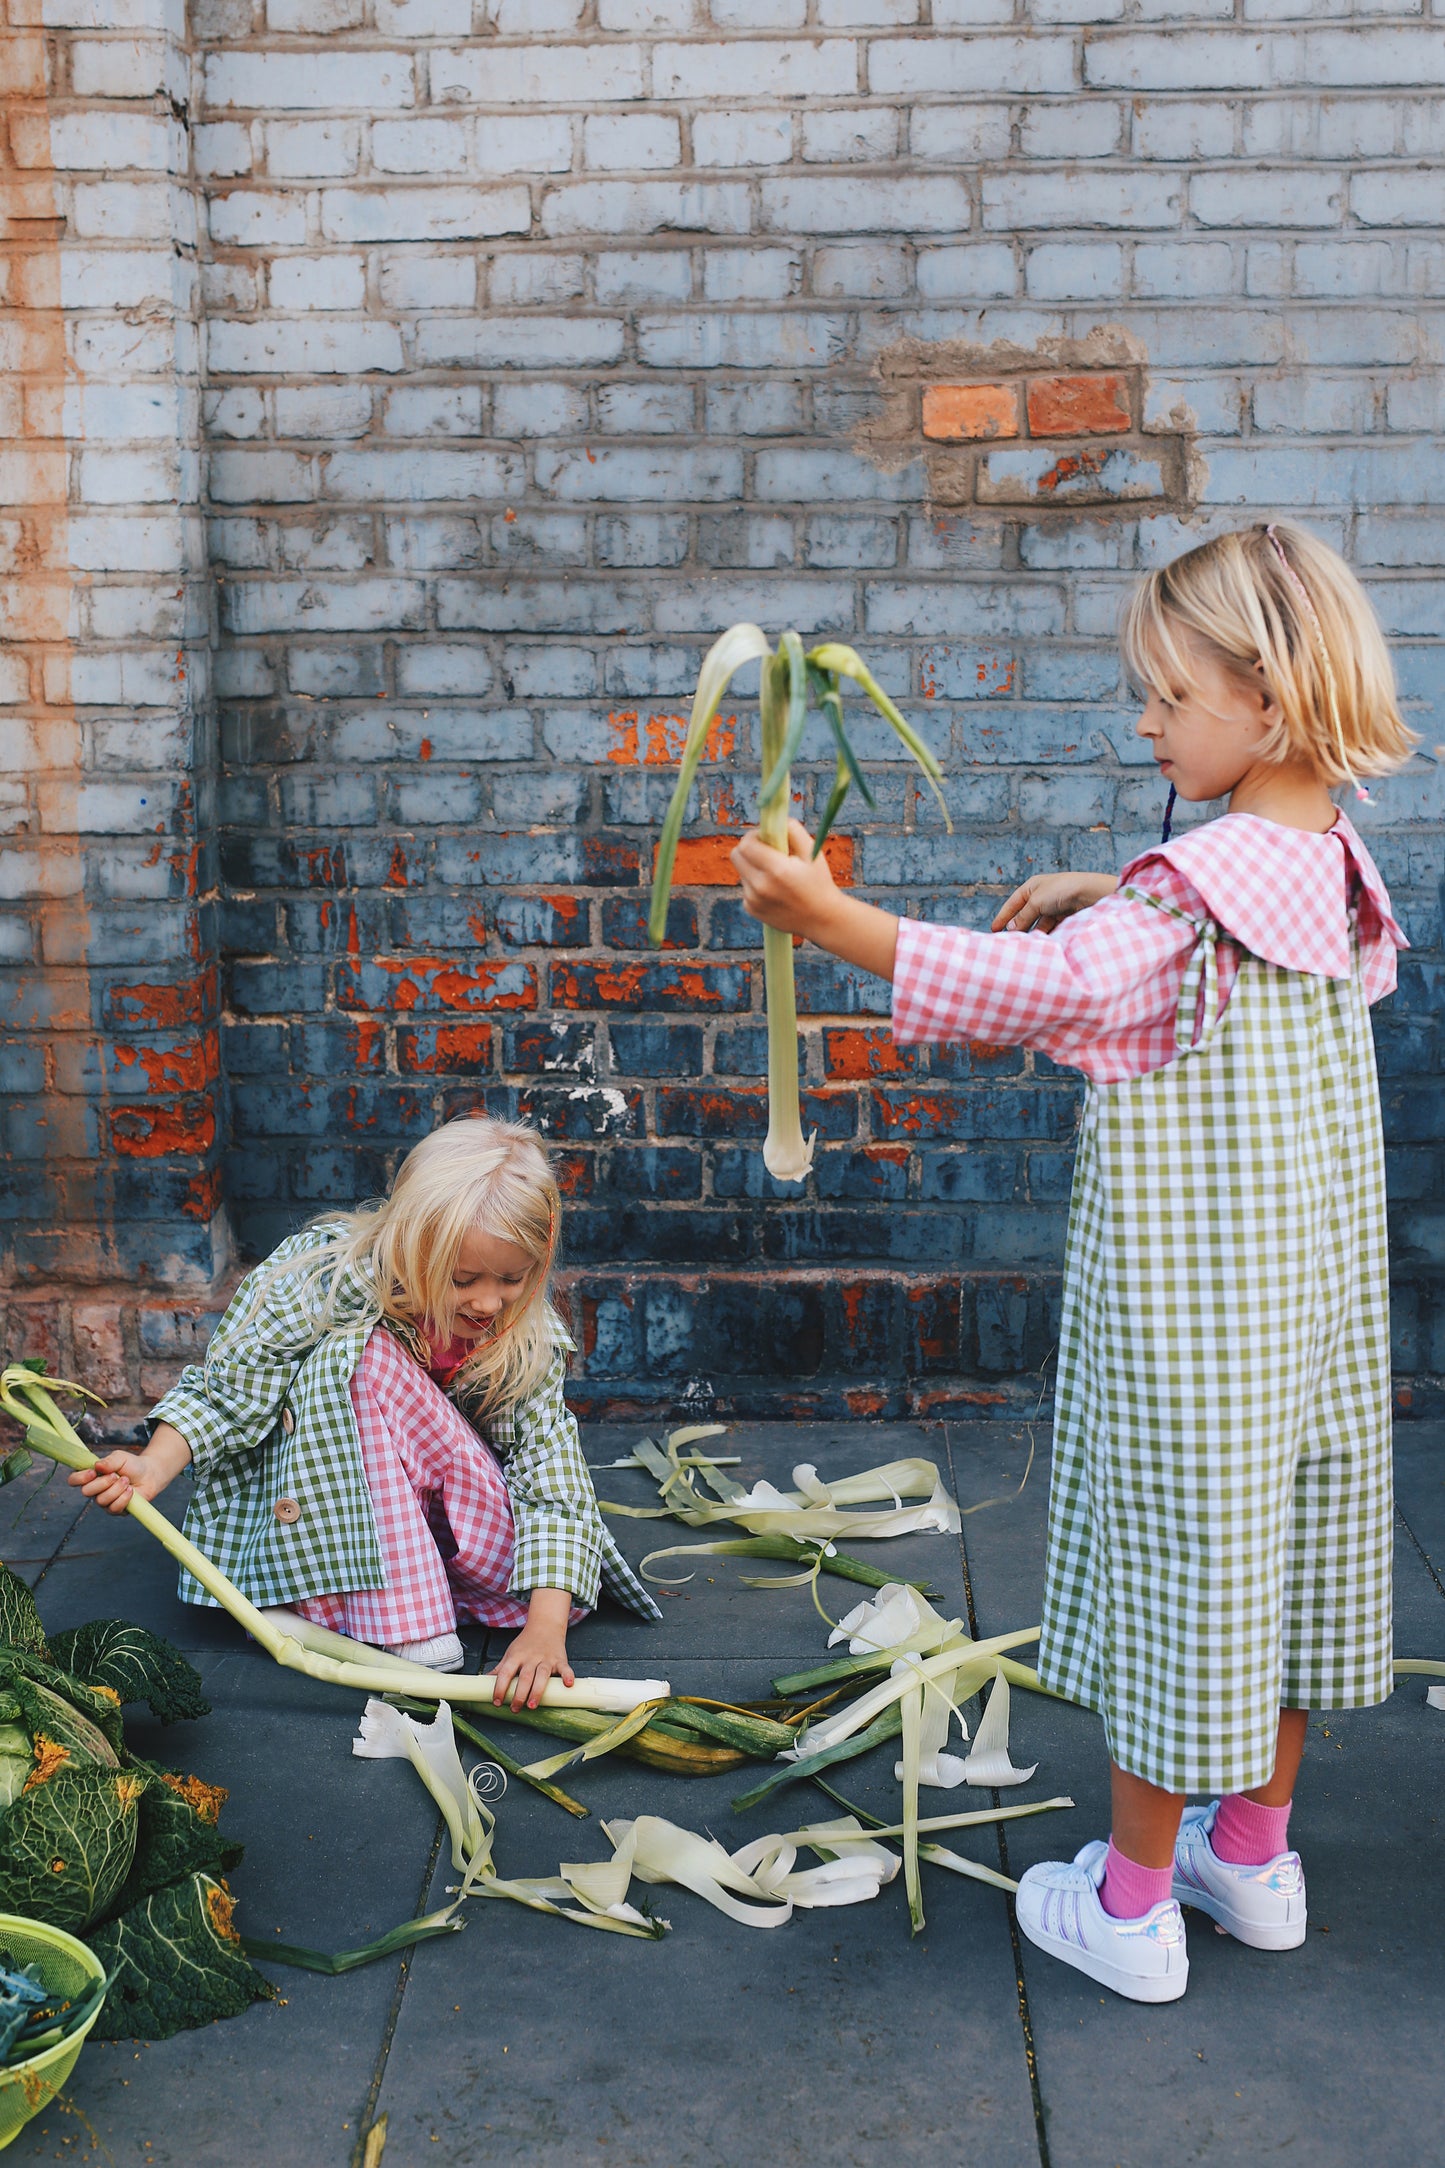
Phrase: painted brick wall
[543,339]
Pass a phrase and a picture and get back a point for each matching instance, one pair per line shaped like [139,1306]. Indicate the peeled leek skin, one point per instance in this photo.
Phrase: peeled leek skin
[789,678]
[293,1642]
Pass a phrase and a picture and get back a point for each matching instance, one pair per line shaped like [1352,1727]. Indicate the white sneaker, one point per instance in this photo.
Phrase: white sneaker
[444,1652]
[1263,1906]
[1059,1910]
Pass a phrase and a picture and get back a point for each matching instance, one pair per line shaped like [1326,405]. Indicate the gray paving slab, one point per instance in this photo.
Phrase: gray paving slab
[834,2038]
[1328,2054]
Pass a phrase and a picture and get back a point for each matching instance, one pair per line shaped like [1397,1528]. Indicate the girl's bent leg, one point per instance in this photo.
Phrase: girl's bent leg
[411,1436]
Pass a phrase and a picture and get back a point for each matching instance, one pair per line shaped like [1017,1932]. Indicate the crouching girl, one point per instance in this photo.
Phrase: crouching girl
[335,1428]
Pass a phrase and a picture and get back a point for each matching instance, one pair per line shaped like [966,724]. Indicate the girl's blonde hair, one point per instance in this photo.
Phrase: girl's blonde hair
[1283,611]
[471,1174]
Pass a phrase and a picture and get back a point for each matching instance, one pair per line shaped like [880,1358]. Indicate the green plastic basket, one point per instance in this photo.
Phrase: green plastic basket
[67,1967]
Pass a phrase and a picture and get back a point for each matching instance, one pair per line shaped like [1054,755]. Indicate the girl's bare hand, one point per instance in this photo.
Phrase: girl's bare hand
[114,1477]
[794,891]
[1050,897]
[539,1652]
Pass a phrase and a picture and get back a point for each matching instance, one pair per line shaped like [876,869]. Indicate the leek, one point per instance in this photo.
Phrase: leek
[293,1642]
[789,679]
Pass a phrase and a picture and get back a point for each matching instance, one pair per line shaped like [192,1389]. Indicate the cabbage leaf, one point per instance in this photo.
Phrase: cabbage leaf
[175,1960]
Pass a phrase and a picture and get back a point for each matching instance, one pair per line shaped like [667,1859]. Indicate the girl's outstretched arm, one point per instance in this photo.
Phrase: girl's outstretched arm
[799,895]
[1050,897]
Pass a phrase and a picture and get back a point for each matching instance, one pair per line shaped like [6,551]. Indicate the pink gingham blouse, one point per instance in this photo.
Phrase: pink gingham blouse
[1101,993]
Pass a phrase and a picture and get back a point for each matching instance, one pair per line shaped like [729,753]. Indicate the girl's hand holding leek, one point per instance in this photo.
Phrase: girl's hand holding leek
[539,1652]
[798,894]
[113,1478]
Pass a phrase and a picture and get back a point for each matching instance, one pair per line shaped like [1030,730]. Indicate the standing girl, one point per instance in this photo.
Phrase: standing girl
[333,1426]
[1219,1523]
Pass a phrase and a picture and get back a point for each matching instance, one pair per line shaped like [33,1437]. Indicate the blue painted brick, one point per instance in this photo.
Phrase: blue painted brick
[650,1049]
[542,1045]
[249,927]
[869,1174]
[624,922]
[973,1058]
[828,987]
[1001,1312]
[22,1066]
[663,1171]
[976,1114]
[989,1176]
[277,989]
[334,1048]
[913,1238]
[731,926]
[738,1172]
[334,1174]
[743,1051]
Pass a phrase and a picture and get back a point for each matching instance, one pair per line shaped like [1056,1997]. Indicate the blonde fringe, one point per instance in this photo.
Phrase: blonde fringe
[474,1173]
[1277,605]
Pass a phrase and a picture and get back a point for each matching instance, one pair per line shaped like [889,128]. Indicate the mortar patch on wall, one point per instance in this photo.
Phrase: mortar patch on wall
[1053,431]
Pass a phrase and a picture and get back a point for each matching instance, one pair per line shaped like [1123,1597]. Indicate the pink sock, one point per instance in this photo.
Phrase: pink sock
[1130,1890]
[1245,1834]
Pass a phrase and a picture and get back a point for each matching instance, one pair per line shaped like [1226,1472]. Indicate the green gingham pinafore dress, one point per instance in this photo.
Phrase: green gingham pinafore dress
[1220,1518]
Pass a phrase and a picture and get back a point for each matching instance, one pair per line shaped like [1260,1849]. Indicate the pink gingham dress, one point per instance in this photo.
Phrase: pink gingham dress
[1100,994]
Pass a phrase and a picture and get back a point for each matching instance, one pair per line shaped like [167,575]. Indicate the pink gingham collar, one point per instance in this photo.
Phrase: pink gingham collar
[1283,893]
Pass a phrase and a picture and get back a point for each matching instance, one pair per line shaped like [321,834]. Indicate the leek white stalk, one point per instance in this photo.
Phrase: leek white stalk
[989,1763]
[293,1642]
[789,678]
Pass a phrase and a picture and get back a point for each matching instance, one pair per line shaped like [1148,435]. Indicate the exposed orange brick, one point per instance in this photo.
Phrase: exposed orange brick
[706,861]
[657,741]
[951,411]
[1077,406]
[854,1052]
[187,1127]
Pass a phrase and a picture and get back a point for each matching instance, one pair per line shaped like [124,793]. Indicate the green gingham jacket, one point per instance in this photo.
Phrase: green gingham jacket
[268,1417]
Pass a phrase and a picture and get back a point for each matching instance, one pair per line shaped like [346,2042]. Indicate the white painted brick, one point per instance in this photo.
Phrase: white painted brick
[588,207]
[97,544]
[1184,270]
[423,214]
[364,82]
[435,147]
[1091,129]
[1399,196]
[646,474]
[547,75]
[424,18]
[1302,197]
[758,14]
[119,67]
[1349,59]
[538,410]
[117,413]
[328,545]
[750,137]
[985,271]
[751,274]
[312,149]
[123,210]
[239,544]
[1417,404]
[107,477]
[521,281]
[1075,271]
[100,142]
[836,136]
[1266,269]
[970,134]
[1214,405]
[506,143]
[868,14]
[1311,404]
[800,339]
[833,476]
[443,667]
[1131,200]
[14,679]
[1076,11]
[263,478]
[878,204]
[519,342]
[372,605]
[113,278]
[645,409]
[256,218]
[372,477]
[1421,121]
[738,67]
[534,18]
[314,18]
[408,279]
[237,413]
[971,14]
[631,142]
[318,282]
[934,67]
[243,673]
[229,289]
[869,269]
[222,149]
[1184,129]
[1333,128]
[281,349]
[1326,269]
[644,275]
[648,15]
